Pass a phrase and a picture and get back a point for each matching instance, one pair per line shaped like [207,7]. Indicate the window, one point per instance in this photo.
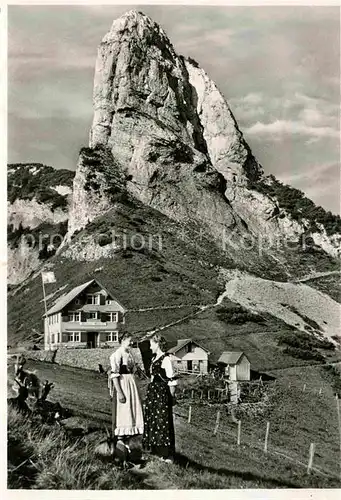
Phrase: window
[189,347]
[113,317]
[93,299]
[74,316]
[111,337]
[52,338]
[78,301]
[73,337]
[93,315]
[53,319]
[108,301]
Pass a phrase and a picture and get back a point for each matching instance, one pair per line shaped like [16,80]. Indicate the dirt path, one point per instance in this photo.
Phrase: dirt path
[201,309]
[316,275]
[236,282]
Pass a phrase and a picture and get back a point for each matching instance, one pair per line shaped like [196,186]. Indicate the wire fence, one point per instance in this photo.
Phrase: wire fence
[237,436]
[245,391]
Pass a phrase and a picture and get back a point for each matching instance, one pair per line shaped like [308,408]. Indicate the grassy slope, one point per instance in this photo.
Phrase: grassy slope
[205,462]
[260,341]
[183,271]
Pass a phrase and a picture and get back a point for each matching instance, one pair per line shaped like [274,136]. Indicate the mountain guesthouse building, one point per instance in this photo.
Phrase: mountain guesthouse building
[86,317]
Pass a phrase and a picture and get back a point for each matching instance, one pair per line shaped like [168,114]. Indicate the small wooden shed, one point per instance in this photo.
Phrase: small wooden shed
[236,365]
[189,356]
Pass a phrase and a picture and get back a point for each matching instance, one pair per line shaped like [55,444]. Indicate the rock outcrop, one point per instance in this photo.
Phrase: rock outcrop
[175,145]
[37,215]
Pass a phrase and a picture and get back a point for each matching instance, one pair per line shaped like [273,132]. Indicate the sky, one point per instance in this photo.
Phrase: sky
[278,68]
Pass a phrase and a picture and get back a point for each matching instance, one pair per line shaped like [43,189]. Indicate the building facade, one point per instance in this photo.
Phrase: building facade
[189,356]
[86,317]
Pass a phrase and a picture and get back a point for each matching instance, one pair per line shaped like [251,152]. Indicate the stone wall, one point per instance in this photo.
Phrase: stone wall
[48,356]
[88,359]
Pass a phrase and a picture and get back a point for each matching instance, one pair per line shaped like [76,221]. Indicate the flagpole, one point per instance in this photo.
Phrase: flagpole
[46,318]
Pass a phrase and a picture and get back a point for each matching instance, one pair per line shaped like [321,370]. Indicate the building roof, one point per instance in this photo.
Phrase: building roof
[64,300]
[230,357]
[181,343]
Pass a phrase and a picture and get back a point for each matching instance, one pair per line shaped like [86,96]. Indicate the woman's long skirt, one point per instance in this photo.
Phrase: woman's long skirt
[159,435]
[129,415]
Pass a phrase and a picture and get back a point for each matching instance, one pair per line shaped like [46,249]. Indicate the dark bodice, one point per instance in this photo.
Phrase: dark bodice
[124,370]
[122,363]
[158,373]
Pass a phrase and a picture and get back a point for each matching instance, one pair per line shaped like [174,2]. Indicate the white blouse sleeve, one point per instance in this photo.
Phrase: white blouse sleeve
[115,363]
[167,366]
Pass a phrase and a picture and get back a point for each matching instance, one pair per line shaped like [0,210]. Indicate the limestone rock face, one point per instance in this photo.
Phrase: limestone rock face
[37,215]
[227,149]
[174,143]
[89,199]
[31,214]
[144,114]
[21,262]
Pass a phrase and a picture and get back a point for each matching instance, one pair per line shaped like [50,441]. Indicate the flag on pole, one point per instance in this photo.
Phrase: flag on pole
[48,277]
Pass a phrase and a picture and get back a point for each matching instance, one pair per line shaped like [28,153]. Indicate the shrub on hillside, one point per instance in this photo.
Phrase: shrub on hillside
[304,341]
[46,237]
[104,239]
[304,354]
[298,205]
[24,184]
[171,150]
[238,315]
[193,62]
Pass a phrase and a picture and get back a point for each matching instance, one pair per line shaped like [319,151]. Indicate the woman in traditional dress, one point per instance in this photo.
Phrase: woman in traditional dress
[129,414]
[158,435]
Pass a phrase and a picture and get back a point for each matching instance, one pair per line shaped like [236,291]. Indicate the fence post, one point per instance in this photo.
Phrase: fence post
[189,414]
[239,432]
[320,391]
[201,394]
[305,385]
[217,423]
[266,437]
[192,394]
[209,394]
[311,457]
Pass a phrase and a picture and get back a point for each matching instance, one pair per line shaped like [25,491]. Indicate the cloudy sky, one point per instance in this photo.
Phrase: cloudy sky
[278,67]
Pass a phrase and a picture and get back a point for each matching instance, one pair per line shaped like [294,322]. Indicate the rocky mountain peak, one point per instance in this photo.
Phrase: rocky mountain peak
[169,136]
[135,24]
